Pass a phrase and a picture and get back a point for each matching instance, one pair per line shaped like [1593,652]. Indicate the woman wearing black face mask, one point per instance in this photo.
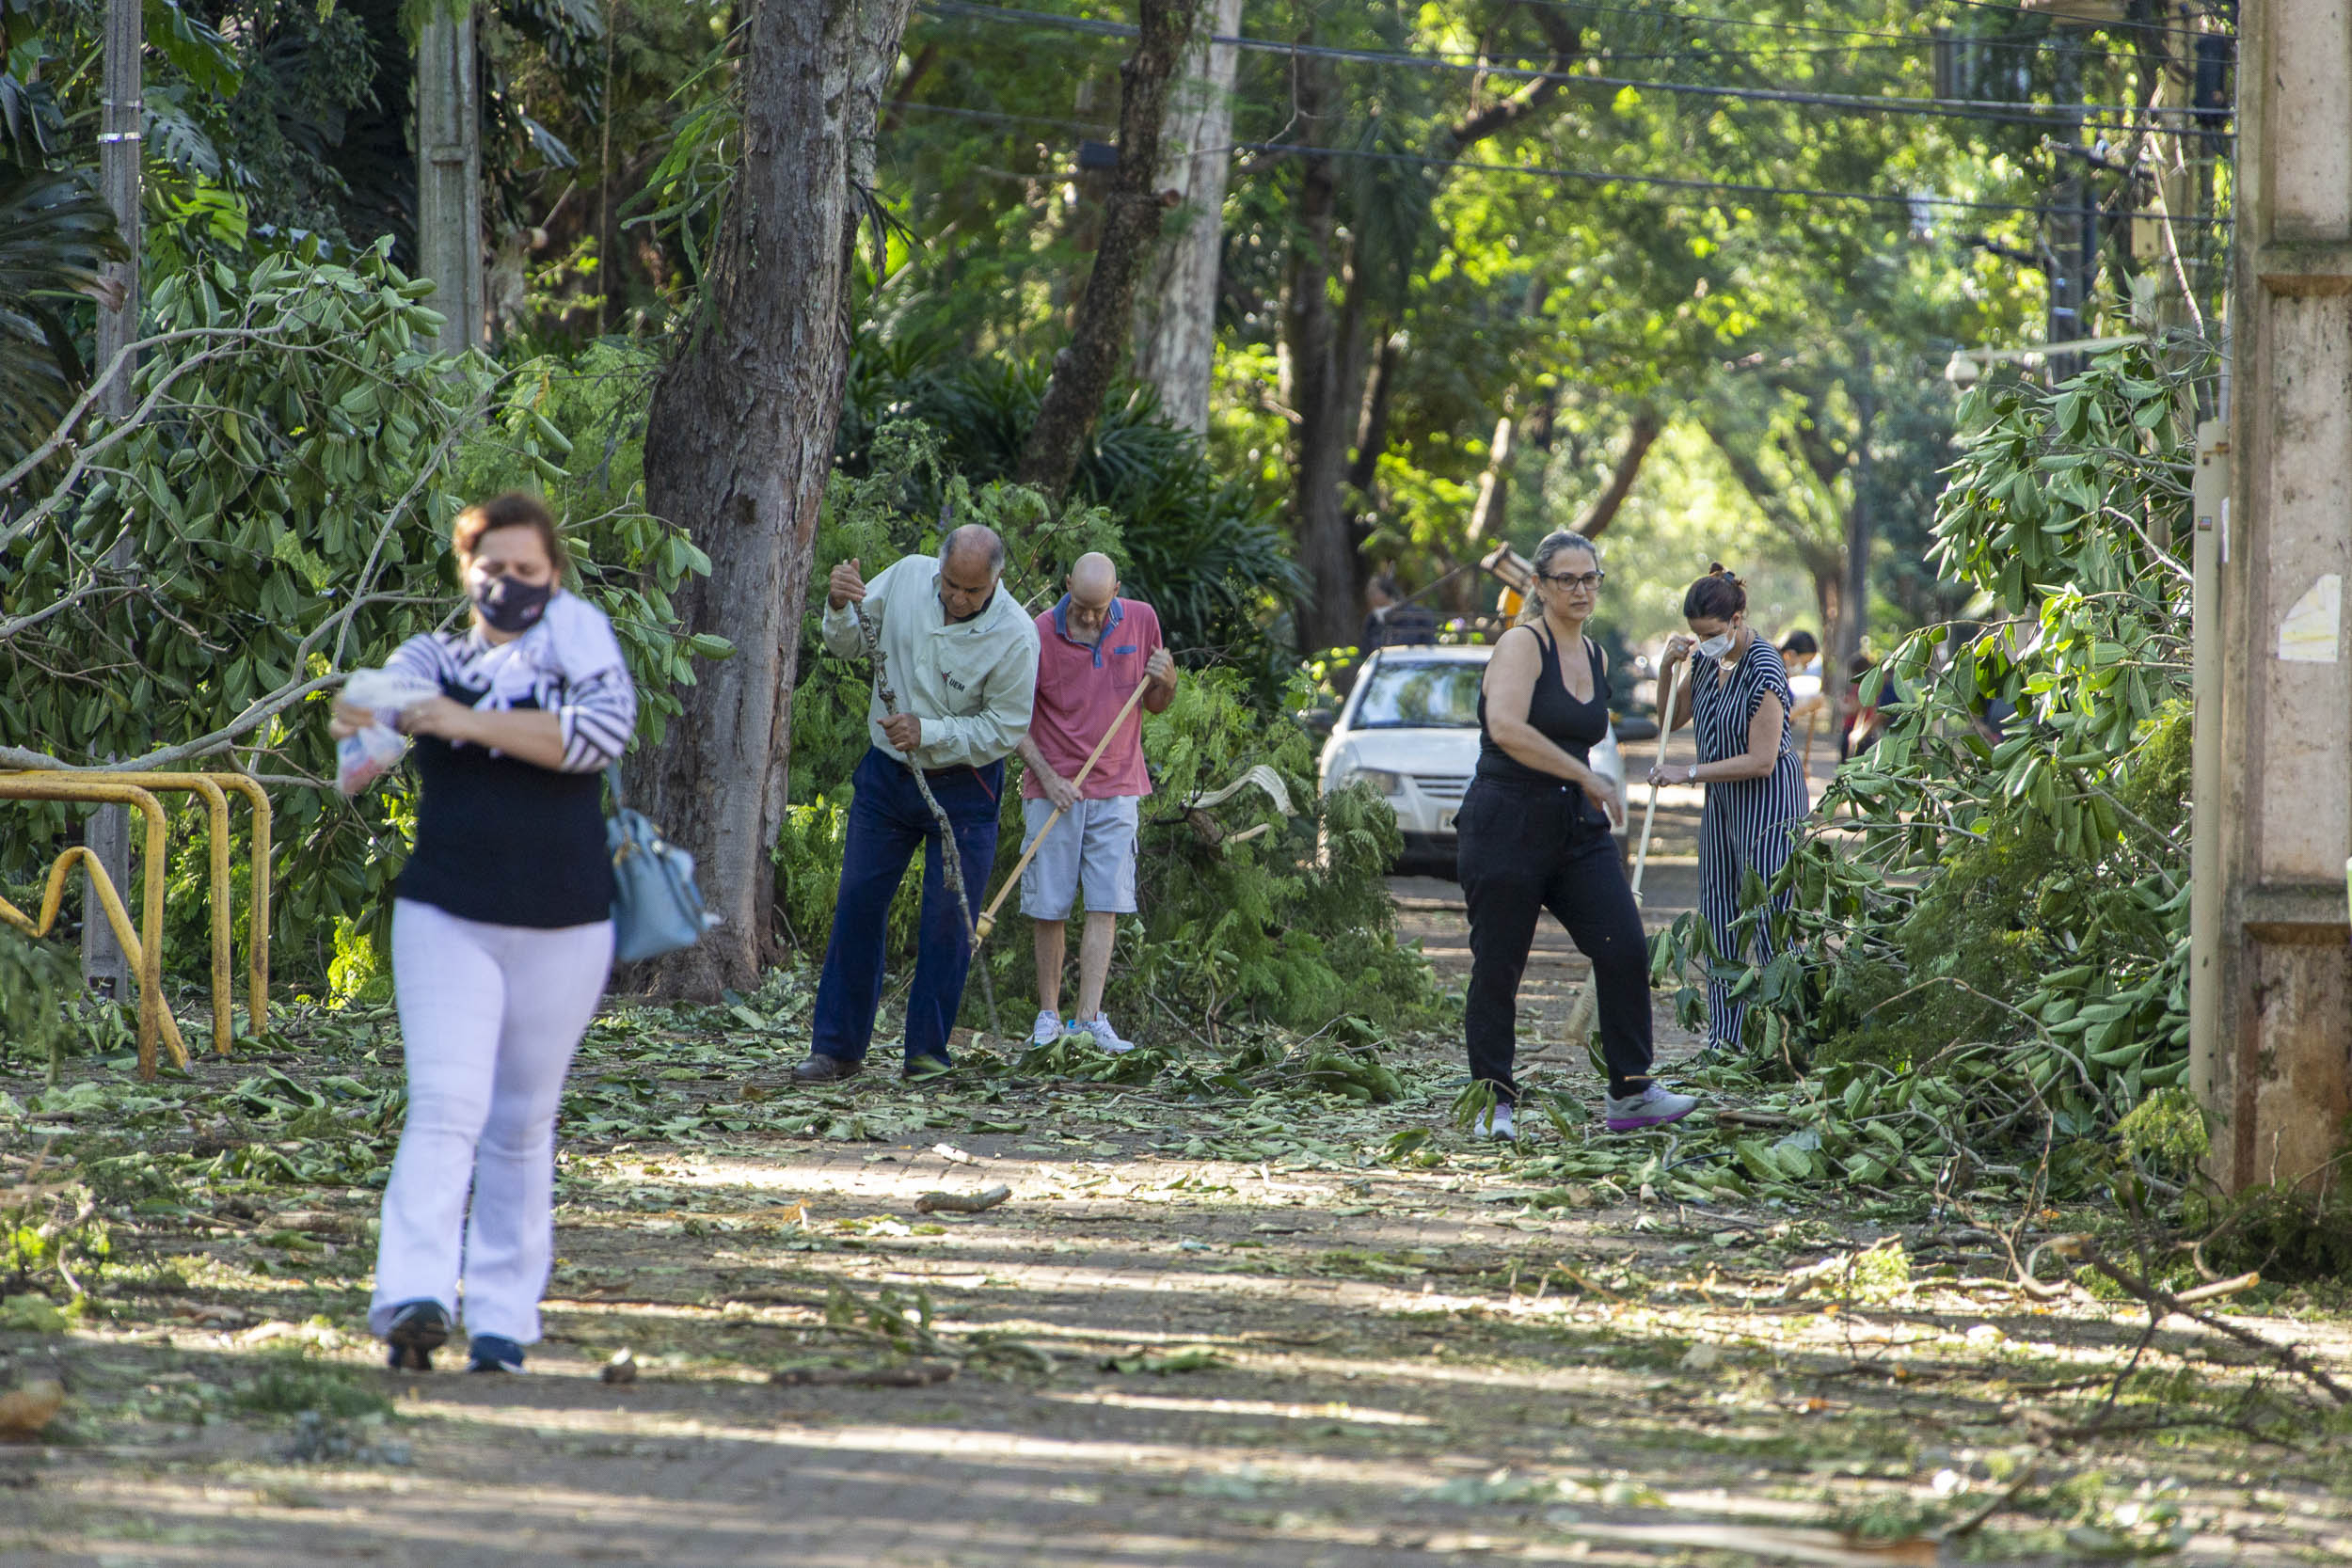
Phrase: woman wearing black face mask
[502,934]
[1738,694]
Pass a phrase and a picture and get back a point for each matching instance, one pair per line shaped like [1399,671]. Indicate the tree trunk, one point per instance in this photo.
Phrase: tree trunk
[1494,489]
[105,968]
[1131,228]
[1176,309]
[1639,438]
[740,445]
[1328,351]
[1326,398]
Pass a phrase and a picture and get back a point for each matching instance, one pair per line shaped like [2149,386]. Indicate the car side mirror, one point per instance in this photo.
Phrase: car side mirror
[1319,720]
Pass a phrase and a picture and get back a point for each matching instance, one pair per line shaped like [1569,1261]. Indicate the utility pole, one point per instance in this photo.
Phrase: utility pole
[1853,598]
[2271,1042]
[107,834]
[449,173]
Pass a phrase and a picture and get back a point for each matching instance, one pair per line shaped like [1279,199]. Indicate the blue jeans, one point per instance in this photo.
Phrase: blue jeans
[887,820]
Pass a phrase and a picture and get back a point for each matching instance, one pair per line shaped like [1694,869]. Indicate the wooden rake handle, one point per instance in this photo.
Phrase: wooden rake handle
[987,922]
[1649,812]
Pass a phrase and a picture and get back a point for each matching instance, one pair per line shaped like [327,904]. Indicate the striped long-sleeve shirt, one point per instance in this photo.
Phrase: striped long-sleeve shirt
[570,664]
[501,839]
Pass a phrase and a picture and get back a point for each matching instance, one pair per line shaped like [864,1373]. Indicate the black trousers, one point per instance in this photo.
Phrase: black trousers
[1524,850]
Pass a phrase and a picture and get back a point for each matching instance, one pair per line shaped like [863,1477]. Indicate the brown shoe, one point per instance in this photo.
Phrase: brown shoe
[820,1069]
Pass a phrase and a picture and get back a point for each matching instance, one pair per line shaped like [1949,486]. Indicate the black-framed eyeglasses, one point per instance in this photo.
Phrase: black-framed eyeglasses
[1573,579]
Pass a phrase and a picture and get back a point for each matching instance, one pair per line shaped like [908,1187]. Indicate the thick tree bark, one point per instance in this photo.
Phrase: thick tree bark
[1639,438]
[740,445]
[1176,305]
[1131,229]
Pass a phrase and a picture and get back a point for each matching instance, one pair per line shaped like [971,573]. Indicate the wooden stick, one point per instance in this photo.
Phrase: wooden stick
[988,916]
[1665,732]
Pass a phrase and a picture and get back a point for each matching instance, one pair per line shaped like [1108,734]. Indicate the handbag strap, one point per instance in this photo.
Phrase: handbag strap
[613,781]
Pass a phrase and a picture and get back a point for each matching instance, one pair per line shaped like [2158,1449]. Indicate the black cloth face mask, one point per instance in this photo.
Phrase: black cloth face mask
[510,604]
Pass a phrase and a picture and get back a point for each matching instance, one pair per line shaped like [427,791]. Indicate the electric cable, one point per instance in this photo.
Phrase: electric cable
[1931,108]
[1587,176]
[1653,13]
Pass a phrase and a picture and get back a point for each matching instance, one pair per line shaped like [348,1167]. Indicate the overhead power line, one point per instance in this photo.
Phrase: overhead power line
[1589,176]
[2040,46]
[1933,108]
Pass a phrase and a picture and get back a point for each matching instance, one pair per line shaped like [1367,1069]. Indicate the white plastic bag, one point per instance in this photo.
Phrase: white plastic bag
[374,750]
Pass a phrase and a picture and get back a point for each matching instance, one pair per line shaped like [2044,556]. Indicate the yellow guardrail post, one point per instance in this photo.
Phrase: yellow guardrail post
[144,949]
[210,787]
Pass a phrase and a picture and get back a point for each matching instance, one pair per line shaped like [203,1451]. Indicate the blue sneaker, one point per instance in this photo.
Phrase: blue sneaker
[418,1329]
[494,1353]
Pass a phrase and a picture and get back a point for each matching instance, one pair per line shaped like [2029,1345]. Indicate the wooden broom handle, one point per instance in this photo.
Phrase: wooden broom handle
[1665,732]
[988,916]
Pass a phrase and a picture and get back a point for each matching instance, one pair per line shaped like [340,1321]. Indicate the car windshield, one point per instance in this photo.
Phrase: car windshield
[1433,694]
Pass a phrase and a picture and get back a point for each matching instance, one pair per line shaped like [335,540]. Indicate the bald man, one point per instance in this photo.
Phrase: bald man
[962,663]
[1094,648]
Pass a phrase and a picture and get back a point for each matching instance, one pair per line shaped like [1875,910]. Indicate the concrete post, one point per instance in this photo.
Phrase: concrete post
[448,176]
[2273,1061]
[107,834]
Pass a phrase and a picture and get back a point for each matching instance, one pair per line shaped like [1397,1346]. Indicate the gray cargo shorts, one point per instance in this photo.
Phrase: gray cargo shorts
[1091,848]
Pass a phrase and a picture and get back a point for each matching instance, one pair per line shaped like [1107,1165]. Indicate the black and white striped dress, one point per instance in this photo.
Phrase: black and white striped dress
[1747,823]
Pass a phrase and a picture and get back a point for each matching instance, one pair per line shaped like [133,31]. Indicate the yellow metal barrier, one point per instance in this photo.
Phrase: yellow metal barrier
[209,788]
[144,949]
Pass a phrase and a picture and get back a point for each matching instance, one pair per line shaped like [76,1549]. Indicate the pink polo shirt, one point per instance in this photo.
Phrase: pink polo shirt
[1080,688]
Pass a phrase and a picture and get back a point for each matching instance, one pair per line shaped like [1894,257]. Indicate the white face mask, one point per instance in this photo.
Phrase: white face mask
[1715,647]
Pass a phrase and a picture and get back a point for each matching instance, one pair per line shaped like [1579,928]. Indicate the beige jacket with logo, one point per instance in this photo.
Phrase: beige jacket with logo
[971,682]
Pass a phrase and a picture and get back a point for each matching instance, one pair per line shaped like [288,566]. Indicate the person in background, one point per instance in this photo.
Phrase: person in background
[1800,654]
[502,934]
[1533,835]
[1872,714]
[1756,789]
[962,663]
[1094,648]
[1393,620]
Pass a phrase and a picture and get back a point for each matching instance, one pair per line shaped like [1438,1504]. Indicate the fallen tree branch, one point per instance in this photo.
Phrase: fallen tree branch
[2163,1302]
[918,1375]
[961,1203]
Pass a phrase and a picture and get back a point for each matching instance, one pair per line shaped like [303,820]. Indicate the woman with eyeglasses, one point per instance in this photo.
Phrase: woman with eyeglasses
[1756,790]
[1533,835]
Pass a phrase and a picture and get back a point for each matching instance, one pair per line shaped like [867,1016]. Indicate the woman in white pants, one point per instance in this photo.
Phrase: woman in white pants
[501,935]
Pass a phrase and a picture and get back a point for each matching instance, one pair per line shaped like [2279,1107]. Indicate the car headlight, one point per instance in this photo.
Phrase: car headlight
[1382,780]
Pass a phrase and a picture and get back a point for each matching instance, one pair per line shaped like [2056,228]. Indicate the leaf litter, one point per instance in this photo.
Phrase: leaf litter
[1693,1303]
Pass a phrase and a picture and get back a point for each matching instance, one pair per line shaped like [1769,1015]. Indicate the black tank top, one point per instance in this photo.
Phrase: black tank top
[1574,727]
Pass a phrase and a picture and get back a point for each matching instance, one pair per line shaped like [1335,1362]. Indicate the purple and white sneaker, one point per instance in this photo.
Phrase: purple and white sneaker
[1652,1107]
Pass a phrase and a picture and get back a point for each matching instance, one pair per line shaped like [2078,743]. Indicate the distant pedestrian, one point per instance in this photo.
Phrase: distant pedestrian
[1533,835]
[1094,648]
[1755,788]
[1392,619]
[501,933]
[962,659]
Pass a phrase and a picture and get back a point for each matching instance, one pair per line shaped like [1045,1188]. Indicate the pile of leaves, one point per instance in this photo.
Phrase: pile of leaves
[1984,967]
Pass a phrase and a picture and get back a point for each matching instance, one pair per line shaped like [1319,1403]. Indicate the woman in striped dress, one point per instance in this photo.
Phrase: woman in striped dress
[1755,788]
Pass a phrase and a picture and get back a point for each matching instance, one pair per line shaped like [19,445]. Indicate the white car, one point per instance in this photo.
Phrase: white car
[1410,730]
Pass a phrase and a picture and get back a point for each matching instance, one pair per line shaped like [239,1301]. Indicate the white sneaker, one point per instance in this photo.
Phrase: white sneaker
[1104,1036]
[1048,1029]
[1495,1123]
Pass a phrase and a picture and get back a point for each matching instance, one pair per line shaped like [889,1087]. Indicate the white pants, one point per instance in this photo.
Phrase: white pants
[489,1016]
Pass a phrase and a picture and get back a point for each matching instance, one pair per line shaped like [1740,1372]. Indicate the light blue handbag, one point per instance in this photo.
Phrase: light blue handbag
[656,909]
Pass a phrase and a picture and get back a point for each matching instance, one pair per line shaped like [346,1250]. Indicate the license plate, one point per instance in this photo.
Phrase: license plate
[1445,821]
